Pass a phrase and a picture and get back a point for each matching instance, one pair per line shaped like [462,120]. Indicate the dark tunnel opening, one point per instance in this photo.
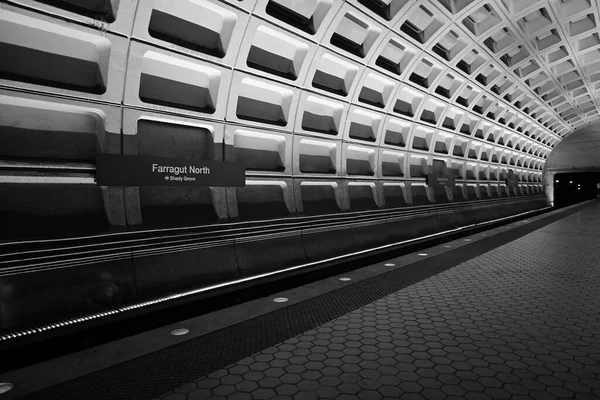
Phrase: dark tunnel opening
[572,188]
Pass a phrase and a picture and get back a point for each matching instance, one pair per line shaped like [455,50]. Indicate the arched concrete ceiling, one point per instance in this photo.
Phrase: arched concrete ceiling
[374,88]
[579,151]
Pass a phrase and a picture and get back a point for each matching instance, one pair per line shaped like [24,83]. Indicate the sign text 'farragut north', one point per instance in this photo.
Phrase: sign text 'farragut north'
[180,170]
[131,170]
[441,176]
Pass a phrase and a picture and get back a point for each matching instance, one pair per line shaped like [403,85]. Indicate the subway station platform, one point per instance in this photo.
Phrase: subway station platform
[510,313]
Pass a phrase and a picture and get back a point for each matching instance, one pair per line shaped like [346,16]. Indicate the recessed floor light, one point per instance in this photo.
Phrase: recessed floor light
[6,387]
[390,265]
[467,240]
[180,332]
[447,246]
[280,300]
[423,254]
[345,279]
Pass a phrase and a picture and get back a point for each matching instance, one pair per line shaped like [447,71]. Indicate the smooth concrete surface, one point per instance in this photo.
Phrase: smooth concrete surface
[580,151]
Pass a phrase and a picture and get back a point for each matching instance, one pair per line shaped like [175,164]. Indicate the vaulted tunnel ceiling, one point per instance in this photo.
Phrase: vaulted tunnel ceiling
[578,152]
[315,89]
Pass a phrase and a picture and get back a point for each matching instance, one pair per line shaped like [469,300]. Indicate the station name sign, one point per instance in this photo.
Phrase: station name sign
[133,170]
[441,176]
[512,180]
[445,180]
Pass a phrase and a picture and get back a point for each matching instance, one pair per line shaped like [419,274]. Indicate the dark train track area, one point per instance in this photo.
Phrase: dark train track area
[23,353]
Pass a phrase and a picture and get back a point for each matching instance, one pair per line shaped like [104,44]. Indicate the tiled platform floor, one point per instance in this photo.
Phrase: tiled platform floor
[519,322]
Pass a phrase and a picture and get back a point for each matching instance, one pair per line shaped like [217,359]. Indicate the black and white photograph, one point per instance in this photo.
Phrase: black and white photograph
[299,199]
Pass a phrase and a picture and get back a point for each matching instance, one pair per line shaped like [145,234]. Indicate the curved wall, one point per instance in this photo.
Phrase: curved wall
[331,105]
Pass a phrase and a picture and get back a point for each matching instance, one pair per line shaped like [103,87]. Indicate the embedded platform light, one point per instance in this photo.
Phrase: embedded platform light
[345,279]
[6,387]
[280,300]
[467,240]
[447,246]
[180,332]
[422,254]
[390,265]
